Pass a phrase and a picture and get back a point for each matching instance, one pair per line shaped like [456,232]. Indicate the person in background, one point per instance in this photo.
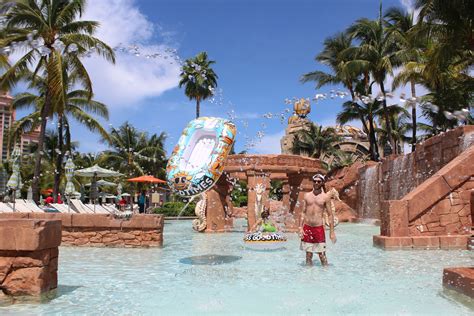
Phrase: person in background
[142,202]
[49,200]
[59,199]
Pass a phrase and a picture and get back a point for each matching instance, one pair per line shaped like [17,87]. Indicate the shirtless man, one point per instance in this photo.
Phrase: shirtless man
[312,234]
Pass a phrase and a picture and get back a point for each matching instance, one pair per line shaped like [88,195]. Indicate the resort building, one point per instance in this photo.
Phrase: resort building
[7,118]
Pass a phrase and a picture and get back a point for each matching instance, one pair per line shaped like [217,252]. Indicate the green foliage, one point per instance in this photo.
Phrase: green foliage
[198,78]
[135,152]
[239,194]
[175,208]
[276,192]
[316,141]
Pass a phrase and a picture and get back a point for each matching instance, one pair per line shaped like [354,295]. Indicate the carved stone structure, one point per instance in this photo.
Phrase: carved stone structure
[258,170]
[354,141]
[29,256]
[200,223]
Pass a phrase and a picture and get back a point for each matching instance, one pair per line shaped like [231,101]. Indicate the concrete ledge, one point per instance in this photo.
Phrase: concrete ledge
[421,242]
[91,230]
[28,256]
[460,280]
[29,235]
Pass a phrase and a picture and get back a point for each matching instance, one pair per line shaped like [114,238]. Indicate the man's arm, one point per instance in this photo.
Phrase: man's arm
[332,234]
[302,217]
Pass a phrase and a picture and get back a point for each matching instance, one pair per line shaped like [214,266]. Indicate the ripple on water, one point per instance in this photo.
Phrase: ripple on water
[361,279]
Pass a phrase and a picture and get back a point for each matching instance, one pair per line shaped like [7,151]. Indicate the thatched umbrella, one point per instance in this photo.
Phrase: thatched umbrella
[70,189]
[14,183]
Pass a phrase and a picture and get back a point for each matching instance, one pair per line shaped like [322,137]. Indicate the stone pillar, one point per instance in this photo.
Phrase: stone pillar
[29,256]
[285,190]
[219,206]
[254,178]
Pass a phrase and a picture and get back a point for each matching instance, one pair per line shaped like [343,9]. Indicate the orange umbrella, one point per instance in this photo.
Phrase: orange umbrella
[149,179]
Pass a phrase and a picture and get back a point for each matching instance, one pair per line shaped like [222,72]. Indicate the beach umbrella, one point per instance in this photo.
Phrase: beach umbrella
[14,183]
[102,183]
[29,194]
[147,179]
[70,189]
[119,190]
[94,172]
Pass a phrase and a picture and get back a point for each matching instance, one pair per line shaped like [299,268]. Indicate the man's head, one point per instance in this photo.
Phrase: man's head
[265,214]
[318,181]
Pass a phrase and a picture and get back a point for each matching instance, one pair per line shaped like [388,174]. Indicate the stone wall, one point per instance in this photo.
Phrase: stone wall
[103,230]
[28,256]
[397,176]
[460,279]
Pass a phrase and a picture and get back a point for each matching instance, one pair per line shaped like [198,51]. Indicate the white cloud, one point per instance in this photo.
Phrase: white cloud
[270,144]
[132,78]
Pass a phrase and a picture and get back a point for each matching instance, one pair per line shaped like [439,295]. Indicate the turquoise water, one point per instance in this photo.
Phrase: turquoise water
[360,280]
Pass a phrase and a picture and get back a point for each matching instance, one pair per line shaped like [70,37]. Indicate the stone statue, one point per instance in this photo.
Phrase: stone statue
[259,190]
[200,223]
[334,196]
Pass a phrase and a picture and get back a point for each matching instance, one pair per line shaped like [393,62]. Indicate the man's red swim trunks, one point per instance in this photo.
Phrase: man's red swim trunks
[313,234]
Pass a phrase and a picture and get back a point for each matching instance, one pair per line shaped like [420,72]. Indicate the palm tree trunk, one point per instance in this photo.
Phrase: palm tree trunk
[198,101]
[413,117]
[374,152]
[39,152]
[387,118]
[59,160]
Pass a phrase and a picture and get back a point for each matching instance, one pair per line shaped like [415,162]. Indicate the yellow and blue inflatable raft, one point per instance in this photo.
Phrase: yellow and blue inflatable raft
[197,161]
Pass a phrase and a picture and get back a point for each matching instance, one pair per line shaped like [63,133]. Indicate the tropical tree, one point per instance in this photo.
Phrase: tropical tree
[399,127]
[377,53]
[410,47]
[48,30]
[366,112]
[135,153]
[451,23]
[199,79]
[342,71]
[78,106]
[315,141]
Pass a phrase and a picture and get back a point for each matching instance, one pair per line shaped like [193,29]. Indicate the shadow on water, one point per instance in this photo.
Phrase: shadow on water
[42,299]
[455,297]
[210,259]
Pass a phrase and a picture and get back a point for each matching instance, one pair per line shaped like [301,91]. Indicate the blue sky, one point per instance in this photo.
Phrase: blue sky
[261,49]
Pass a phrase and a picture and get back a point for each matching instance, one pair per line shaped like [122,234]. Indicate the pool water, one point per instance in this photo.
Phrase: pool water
[189,276]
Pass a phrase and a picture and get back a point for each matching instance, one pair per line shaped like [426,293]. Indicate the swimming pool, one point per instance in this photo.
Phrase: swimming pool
[361,279]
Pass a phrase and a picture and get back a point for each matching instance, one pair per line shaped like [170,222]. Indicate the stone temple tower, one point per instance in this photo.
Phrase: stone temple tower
[296,122]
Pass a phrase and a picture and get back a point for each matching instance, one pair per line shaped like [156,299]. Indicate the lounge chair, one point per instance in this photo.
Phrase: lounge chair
[62,208]
[98,209]
[5,208]
[32,205]
[79,207]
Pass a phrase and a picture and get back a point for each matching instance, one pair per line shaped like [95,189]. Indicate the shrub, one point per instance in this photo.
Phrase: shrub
[175,208]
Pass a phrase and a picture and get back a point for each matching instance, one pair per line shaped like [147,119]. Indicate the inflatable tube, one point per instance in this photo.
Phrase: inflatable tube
[197,161]
[264,241]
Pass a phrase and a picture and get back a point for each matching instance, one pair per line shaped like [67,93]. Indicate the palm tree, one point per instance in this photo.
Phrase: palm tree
[315,141]
[451,23]
[342,72]
[199,79]
[376,52]
[410,46]
[366,112]
[134,153]
[399,127]
[77,105]
[52,30]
